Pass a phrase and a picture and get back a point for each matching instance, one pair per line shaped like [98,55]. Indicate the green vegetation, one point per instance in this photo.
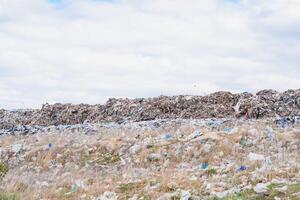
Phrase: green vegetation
[244,195]
[108,158]
[295,188]
[143,197]
[272,193]
[175,197]
[6,196]
[3,170]
[128,187]
[211,172]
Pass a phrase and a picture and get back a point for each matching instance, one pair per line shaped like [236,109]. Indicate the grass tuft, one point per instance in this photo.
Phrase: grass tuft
[3,170]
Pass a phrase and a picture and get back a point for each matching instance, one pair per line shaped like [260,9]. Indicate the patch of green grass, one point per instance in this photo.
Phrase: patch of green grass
[175,197]
[243,195]
[108,158]
[83,158]
[295,188]
[90,181]
[211,172]
[129,187]
[66,192]
[154,149]
[6,196]
[272,186]
[3,170]
[143,197]
[21,187]
[272,193]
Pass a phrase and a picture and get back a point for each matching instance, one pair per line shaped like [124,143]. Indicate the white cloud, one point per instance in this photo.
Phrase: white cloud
[88,50]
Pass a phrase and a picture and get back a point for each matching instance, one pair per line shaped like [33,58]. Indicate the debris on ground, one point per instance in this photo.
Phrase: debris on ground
[217,147]
[159,159]
[263,104]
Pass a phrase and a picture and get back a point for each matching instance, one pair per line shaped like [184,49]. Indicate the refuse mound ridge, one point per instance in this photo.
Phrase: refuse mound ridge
[263,104]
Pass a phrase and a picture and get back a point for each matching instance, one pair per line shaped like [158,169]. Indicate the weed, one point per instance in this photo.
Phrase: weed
[21,187]
[3,170]
[143,197]
[175,197]
[6,196]
[128,187]
[295,188]
[108,158]
[211,172]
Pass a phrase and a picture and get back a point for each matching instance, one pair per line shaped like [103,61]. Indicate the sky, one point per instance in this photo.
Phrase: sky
[86,51]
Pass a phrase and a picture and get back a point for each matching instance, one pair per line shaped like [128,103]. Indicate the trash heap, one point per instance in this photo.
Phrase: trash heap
[186,159]
[266,103]
[221,146]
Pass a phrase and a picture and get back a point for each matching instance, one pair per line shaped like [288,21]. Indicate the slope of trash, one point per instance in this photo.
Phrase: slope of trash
[184,159]
[266,103]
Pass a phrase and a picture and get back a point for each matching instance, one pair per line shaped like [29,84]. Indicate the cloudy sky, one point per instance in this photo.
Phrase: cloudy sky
[89,50]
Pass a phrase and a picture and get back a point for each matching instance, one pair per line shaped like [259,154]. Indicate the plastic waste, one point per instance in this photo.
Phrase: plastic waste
[270,133]
[227,130]
[256,157]
[16,148]
[242,168]
[204,166]
[108,196]
[168,137]
[261,188]
[195,135]
[185,195]
[74,188]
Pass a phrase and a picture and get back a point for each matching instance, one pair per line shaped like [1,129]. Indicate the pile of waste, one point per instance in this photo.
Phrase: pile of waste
[221,146]
[179,159]
[266,103]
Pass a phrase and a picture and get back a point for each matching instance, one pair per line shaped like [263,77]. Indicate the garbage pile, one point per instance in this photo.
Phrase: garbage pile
[266,103]
[186,159]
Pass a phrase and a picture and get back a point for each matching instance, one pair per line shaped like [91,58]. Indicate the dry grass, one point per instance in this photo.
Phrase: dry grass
[104,163]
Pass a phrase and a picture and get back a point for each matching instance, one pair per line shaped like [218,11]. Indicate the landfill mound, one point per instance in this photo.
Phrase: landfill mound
[218,147]
[265,103]
[224,159]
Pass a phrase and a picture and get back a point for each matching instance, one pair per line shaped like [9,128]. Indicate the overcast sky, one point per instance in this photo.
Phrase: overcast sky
[85,51]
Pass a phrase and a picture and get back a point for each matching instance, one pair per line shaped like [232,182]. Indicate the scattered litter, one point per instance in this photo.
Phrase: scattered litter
[261,188]
[282,189]
[195,135]
[74,188]
[107,196]
[204,166]
[256,157]
[185,195]
[16,148]
[227,130]
[168,137]
[242,168]
[140,147]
